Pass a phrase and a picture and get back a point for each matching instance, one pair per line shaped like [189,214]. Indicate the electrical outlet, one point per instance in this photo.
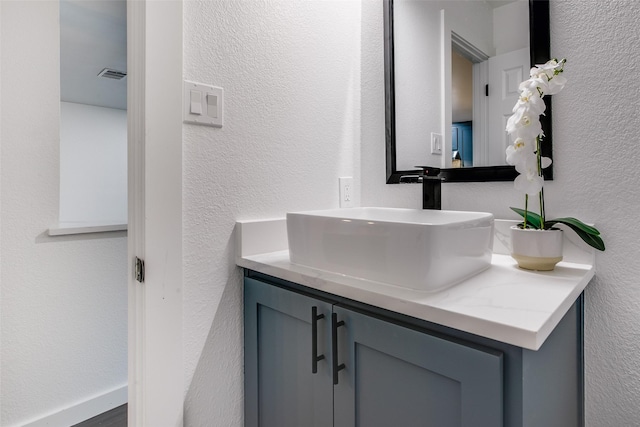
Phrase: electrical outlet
[346,192]
[436,143]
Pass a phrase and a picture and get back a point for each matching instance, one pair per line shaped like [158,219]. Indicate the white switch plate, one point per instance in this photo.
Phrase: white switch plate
[206,109]
[346,192]
[436,143]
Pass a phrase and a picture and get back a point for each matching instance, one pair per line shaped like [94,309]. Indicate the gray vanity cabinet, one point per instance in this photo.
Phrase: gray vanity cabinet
[396,376]
[370,372]
[280,388]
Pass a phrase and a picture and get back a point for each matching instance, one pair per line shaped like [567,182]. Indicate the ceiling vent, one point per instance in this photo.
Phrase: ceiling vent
[110,73]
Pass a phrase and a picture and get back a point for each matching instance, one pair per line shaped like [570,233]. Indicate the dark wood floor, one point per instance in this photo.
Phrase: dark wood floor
[114,418]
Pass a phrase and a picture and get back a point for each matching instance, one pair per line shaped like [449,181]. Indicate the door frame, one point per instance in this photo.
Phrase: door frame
[154,105]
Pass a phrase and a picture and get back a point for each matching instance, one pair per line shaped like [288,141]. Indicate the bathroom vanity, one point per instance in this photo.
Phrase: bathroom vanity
[502,348]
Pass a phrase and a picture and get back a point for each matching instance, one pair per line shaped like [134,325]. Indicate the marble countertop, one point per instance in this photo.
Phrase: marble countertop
[503,303]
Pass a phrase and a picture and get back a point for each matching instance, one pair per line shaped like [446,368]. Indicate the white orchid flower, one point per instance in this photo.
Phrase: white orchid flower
[529,184]
[531,102]
[537,83]
[547,77]
[551,67]
[524,125]
[517,151]
[528,181]
[528,163]
[545,162]
[525,128]
[537,73]
[556,84]
[513,120]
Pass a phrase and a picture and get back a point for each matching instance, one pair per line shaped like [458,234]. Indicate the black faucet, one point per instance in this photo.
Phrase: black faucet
[431,188]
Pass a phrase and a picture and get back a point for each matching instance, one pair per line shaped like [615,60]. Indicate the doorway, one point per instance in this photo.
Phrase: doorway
[93,151]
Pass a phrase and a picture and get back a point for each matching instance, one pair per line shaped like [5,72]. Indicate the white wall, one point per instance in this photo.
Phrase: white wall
[93,165]
[291,77]
[596,179]
[511,27]
[64,300]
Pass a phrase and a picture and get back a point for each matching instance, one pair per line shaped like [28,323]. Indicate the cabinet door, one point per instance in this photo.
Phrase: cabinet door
[395,376]
[280,388]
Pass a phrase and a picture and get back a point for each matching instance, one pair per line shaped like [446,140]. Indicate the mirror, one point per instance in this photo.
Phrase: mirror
[425,44]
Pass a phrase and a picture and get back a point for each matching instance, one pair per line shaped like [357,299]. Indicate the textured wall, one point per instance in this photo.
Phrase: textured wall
[64,300]
[291,77]
[595,136]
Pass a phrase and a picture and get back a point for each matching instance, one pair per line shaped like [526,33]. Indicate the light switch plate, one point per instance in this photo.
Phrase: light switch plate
[436,143]
[210,103]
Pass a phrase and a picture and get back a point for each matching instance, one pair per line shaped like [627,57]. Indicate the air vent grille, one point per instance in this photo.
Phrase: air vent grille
[110,73]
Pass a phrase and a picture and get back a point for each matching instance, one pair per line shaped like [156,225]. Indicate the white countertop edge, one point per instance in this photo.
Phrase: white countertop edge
[277,264]
[562,309]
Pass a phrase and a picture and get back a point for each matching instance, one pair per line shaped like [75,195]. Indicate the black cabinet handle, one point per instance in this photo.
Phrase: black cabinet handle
[314,339]
[334,346]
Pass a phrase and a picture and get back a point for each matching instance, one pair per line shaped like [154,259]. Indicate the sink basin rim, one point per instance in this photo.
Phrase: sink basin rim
[377,216]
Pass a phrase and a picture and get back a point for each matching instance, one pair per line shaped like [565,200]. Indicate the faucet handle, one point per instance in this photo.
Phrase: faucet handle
[430,171]
[431,188]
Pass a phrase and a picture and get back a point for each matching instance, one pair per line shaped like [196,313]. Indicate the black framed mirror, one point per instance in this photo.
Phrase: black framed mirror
[539,52]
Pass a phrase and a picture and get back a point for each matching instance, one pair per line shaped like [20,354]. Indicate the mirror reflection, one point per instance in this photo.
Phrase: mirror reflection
[444,107]
[470,55]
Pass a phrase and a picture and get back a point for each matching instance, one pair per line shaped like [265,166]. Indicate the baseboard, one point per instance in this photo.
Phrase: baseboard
[83,410]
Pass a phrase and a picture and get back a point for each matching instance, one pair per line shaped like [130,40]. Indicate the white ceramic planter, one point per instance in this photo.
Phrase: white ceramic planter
[536,249]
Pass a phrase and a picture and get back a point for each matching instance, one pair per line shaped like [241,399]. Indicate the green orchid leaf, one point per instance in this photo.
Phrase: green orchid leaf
[592,240]
[596,242]
[533,219]
[575,222]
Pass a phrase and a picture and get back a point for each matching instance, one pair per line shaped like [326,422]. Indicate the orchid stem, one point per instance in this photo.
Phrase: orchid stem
[541,193]
[542,226]
[526,208]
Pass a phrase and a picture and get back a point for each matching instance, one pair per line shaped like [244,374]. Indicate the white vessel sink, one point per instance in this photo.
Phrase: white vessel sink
[426,250]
